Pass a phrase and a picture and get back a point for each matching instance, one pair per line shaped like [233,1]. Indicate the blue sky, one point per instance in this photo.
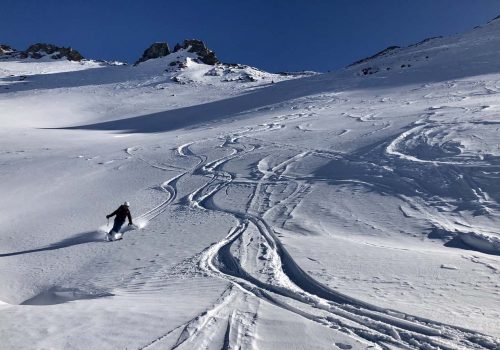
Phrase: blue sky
[275,35]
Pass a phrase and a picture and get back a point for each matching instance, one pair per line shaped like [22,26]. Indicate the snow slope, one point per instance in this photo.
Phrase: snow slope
[352,210]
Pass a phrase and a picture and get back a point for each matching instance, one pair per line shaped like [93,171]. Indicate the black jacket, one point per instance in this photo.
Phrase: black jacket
[121,214]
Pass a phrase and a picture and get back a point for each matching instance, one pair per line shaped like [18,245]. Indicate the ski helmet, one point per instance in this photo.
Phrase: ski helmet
[127,204]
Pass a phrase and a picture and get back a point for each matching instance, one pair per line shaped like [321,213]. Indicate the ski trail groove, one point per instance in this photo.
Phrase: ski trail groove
[277,278]
[395,327]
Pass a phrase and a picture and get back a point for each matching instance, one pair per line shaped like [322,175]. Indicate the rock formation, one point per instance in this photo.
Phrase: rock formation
[156,50]
[205,55]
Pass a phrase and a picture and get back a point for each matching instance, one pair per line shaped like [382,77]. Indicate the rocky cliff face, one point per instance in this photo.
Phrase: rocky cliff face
[205,55]
[198,47]
[156,50]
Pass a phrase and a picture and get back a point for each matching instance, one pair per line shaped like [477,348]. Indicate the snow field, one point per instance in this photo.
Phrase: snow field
[335,211]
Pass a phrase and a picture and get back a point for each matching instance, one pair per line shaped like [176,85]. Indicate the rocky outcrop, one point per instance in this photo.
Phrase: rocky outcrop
[156,50]
[6,49]
[40,50]
[198,47]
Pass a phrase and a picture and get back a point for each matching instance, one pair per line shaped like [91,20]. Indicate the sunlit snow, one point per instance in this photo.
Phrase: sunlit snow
[356,209]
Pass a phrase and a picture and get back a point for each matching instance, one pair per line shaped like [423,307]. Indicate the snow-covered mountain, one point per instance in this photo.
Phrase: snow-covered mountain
[189,62]
[351,210]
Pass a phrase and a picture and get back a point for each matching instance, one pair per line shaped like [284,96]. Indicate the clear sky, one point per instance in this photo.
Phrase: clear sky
[275,35]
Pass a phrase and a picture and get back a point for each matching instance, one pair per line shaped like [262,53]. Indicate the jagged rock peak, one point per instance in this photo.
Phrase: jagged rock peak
[40,50]
[156,50]
[205,55]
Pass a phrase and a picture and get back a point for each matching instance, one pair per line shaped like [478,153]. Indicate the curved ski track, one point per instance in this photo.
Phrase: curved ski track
[259,269]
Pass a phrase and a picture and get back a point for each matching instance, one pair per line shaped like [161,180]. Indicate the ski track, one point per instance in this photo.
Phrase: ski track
[272,275]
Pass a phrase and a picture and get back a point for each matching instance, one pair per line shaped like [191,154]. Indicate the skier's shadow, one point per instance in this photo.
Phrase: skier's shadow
[81,238]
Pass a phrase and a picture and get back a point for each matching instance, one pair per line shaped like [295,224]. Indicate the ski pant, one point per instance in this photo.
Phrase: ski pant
[117,225]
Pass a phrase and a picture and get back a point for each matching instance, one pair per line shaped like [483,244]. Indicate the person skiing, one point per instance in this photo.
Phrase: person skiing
[121,213]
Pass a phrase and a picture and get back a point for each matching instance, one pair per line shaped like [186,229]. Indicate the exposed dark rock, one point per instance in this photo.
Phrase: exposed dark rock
[247,77]
[176,79]
[39,50]
[6,49]
[175,66]
[369,70]
[384,52]
[205,55]
[156,50]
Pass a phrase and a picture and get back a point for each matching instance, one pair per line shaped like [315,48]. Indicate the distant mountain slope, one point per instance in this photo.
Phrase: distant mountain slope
[190,62]
[472,53]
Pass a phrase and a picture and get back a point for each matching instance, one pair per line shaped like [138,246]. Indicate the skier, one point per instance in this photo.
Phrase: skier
[121,213]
